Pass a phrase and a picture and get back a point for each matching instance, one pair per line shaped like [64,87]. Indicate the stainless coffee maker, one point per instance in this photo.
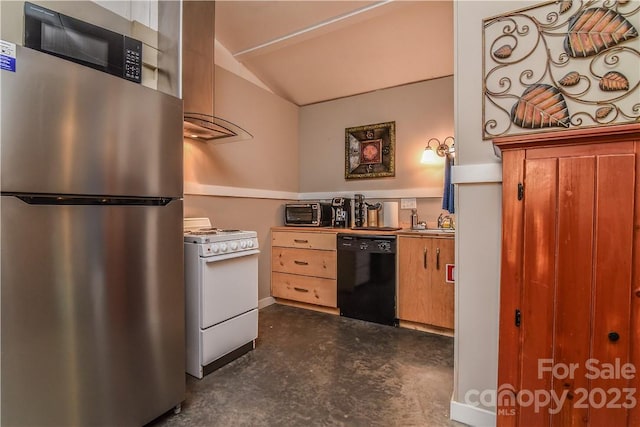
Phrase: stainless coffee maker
[341,211]
[360,210]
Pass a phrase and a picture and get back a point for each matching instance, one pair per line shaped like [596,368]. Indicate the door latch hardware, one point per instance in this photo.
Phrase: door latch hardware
[520,191]
[518,318]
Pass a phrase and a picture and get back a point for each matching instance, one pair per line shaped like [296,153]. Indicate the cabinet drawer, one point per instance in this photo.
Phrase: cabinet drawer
[312,290]
[310,240]
[304,261]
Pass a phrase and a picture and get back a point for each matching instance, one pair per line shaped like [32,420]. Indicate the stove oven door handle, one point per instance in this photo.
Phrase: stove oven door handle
[224,257]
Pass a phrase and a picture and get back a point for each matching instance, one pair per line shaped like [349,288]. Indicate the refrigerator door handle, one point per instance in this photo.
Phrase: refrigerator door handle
[61,199]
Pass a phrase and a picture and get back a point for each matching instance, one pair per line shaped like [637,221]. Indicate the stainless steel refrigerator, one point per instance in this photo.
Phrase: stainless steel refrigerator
[92,300]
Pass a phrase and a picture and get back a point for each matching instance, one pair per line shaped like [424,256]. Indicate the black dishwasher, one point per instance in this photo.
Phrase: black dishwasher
[367,277]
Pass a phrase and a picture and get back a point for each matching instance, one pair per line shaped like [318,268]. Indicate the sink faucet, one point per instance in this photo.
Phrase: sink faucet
[445,221]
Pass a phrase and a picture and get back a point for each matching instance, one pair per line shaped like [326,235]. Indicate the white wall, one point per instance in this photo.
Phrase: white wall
[479,220]
[421,111]
[268,161]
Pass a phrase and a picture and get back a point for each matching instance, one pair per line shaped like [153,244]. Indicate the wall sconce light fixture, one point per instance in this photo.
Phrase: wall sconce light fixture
[439,149]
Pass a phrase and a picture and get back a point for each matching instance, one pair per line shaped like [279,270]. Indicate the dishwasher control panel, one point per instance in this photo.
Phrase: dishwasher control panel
[367,243]
[384,246]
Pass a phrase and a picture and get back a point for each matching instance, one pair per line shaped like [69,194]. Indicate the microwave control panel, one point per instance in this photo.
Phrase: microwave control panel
[132,59]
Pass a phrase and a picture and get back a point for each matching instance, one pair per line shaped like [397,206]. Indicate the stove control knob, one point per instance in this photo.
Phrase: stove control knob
[243,244]
[214,248]
[234,246]
[249,243]
[223,247]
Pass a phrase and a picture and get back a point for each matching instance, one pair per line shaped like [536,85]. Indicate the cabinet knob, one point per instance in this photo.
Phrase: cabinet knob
[614,336]
[637,292]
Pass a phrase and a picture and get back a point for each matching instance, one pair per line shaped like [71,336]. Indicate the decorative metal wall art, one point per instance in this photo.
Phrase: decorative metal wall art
[561,64]
[370,151]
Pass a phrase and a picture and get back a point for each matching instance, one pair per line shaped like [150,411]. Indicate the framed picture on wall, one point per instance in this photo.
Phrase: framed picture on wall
[370,151]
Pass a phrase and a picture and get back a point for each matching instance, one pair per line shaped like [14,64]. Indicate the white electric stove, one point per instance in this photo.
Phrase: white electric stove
[221,241]
[221,285]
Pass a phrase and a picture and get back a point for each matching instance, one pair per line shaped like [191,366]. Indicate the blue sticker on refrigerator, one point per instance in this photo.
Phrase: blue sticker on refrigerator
[7,56]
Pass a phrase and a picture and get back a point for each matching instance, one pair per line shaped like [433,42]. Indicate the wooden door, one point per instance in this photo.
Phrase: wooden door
[566,294]
[424,296]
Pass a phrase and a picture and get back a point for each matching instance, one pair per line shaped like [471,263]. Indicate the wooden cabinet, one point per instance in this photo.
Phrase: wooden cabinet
[304,273]
[570,286]
[424,295]
[303,267]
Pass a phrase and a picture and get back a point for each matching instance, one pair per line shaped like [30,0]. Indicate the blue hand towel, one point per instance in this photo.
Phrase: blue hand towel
[447,196]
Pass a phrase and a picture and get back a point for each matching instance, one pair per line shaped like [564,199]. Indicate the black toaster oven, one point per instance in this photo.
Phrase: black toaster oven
[316,214]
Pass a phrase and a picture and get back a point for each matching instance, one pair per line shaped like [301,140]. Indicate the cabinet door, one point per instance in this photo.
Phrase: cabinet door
[424,296]
[413,300]
[441,293]
[573,303]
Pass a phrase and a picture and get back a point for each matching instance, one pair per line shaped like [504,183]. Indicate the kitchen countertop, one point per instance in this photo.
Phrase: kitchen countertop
[428,232]
[375,231]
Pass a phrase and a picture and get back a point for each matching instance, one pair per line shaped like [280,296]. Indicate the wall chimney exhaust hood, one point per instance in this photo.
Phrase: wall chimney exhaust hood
[203,127]
[198,76]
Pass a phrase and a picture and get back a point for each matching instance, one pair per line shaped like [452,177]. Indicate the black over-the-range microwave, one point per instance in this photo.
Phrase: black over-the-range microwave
[308,214]
[81,42]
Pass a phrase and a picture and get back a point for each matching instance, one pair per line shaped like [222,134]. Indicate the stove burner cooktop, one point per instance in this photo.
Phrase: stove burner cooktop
[210,231]
[199,230]
[202,232]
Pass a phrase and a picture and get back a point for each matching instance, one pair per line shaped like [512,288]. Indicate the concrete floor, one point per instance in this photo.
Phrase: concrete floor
[316,369]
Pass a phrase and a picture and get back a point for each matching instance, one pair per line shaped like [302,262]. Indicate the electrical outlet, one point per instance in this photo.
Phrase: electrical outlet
[408,203]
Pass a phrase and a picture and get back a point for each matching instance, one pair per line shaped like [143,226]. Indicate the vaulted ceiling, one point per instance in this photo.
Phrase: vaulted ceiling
[313,51]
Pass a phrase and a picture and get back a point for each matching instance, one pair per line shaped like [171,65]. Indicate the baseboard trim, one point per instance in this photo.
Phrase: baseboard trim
[320,308]
[426,328]
[266,302]
[471,415]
